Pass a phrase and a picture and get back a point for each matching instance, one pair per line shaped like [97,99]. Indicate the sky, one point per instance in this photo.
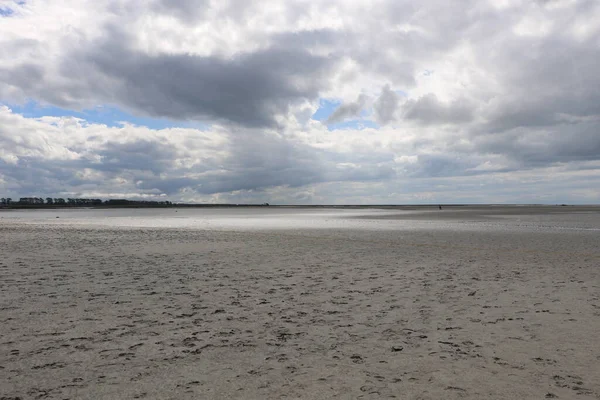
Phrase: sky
[301,101]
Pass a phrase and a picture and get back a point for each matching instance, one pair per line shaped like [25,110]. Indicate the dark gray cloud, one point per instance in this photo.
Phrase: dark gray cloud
[263,160]
[258,160]
[543,78]
[348,110]
[185,10]
[386,105]
[429,110]
[249,89]
[439,165]
[26,76]
[35,176]
[544,146]
[142,154]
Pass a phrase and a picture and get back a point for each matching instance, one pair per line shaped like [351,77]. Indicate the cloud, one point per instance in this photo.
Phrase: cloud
[62,157]
[248,89]
[348,110]
[386,106]
[183,10]
[175,162]
[429,110]
[452,91]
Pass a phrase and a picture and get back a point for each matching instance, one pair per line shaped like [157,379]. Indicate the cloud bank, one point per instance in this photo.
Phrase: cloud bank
[477,101]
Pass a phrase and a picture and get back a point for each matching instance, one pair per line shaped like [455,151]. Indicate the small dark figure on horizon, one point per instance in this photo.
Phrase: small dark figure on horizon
[440,207]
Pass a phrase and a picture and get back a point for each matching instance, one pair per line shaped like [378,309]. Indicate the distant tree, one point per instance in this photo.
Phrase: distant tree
[3,201]
[49,200]
[59,201]
[8,201]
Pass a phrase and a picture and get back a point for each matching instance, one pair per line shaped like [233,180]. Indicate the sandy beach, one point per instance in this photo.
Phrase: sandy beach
[479,306]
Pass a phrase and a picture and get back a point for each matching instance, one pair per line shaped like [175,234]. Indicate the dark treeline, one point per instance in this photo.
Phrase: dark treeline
[50,202]
[38,202]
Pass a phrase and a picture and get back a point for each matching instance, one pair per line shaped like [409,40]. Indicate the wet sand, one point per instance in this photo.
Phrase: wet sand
[497,313]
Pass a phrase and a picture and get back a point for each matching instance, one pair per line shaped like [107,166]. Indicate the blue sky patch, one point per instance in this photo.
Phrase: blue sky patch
[106,115]
[326,108]
[6,12]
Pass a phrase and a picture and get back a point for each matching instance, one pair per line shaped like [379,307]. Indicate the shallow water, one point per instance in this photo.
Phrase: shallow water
[200,218]
[274,218]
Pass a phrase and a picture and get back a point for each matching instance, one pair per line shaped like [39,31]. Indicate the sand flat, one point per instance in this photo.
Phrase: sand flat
[103,313]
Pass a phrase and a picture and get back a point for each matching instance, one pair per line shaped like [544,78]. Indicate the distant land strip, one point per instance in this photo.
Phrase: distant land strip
[53,203]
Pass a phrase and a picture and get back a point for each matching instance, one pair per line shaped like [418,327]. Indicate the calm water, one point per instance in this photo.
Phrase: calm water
[465,218]
[197,218]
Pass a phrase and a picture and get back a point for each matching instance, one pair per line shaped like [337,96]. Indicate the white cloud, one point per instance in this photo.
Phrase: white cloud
[312,166]
[462,90]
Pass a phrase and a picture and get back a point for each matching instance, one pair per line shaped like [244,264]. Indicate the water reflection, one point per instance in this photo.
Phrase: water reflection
[298,218]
